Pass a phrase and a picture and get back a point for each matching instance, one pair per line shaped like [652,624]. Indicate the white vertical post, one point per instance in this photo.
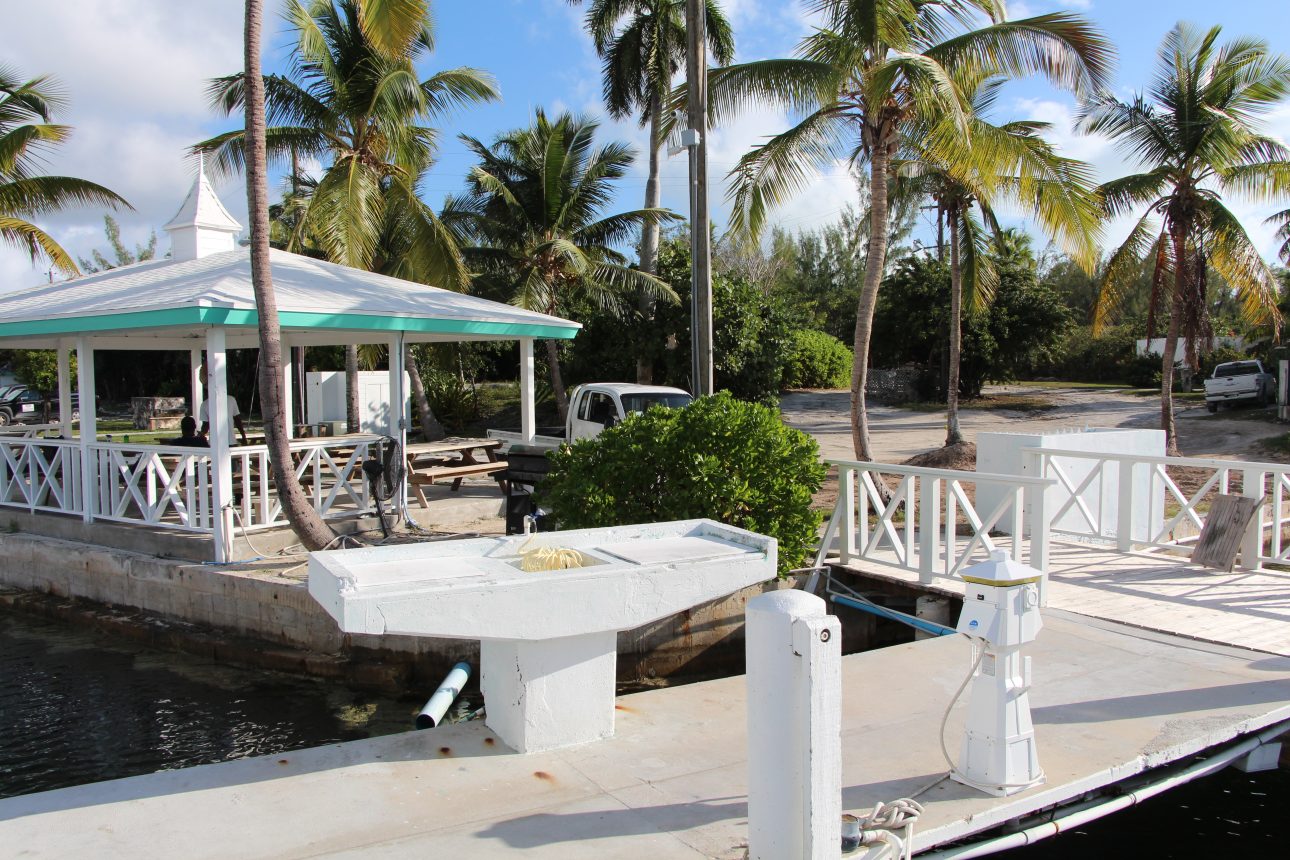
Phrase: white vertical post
[65,389]
[1126,472]
[794,654]
[195,383]
[929,526]
[528,410]
[847,548]
[221,466]
[1283,390]
[1252,543]
[1039,527]
[399,402]
[288,400]
[89,424]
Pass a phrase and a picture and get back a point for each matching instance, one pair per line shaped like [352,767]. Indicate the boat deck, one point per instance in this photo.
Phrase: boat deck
[1109,701]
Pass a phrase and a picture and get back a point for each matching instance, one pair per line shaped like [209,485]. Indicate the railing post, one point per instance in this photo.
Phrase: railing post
[1126,472]
[929,526]
[1040,532]
[89,423]
[794,654]
[847,548]
[1252,543]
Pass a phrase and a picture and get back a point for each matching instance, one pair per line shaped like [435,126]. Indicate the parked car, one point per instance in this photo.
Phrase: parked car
[1234,381]
[597,405]
[20,404]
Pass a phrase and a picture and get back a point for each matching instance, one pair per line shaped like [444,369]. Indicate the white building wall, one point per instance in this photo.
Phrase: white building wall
[1003,453]
[325,398]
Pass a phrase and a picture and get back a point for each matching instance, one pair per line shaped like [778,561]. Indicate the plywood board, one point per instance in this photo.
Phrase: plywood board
[1220,539]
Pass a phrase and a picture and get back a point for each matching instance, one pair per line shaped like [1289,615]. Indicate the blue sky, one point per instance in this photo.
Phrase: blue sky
[135,72]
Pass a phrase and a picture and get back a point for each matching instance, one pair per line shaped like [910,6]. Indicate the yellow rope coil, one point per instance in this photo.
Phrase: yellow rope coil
[549,558]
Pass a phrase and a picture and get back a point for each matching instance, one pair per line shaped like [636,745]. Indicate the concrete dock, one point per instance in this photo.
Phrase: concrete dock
[1109,700]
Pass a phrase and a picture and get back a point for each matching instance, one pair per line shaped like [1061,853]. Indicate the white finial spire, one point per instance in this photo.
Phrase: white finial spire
[202,226]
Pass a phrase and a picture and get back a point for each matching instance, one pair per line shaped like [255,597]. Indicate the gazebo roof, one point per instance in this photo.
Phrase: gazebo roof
[317,300]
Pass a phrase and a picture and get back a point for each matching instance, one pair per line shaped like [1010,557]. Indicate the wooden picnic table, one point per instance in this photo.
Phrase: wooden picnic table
[452,460]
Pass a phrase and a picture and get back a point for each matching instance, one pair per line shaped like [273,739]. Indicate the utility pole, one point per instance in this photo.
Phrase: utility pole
[696,75]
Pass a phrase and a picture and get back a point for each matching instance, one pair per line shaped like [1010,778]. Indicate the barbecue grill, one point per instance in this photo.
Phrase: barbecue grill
[526,467]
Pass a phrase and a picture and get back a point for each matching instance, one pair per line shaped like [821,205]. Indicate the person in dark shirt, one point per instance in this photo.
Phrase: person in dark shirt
[189,439]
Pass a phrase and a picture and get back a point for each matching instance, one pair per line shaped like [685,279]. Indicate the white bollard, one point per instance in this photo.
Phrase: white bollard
[794,651]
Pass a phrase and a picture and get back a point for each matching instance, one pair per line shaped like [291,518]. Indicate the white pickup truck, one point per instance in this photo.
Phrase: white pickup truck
[1239,380]
[597,405]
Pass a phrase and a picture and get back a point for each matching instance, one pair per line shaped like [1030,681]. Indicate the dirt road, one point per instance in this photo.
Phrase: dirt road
[898,434]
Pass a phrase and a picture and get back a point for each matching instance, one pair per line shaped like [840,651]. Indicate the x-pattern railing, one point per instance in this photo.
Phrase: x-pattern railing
[1172,514]
[166,487]
[40,474]
[333,476]
[914,524]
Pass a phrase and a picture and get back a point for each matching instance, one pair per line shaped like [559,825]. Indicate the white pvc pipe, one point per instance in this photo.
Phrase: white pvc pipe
[1086,814]
[448,691]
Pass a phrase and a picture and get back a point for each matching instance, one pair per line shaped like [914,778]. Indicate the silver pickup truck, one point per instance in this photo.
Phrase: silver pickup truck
[1239,380]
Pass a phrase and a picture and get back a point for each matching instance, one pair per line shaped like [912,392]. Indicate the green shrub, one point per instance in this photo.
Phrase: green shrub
[817,360]
[720,458]
[452,400]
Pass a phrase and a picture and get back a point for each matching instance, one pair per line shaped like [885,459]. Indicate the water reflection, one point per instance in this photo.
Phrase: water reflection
[78,707]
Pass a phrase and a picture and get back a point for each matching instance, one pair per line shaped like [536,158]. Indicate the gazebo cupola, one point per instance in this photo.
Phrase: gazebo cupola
[202,226]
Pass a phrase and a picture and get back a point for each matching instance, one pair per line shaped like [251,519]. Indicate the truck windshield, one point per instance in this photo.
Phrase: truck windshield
[1238,368]
[641,402]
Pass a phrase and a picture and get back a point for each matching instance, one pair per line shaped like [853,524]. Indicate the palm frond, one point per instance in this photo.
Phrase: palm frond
[1121,269]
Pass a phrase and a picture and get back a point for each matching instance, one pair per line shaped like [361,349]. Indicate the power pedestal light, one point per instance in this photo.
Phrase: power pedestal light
[1000,614]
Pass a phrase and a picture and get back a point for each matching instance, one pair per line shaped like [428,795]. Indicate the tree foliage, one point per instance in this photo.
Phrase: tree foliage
[121,254]
[718,458]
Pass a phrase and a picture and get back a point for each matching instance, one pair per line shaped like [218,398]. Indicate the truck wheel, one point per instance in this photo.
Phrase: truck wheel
[5,418]
[1263,397]
[1211,405]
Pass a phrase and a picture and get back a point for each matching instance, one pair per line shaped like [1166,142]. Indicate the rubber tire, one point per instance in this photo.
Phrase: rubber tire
[76,415]
[1211,406]
[5,418]
[1263,398]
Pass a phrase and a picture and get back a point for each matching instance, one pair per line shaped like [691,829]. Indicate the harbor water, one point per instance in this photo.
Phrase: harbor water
[79,706]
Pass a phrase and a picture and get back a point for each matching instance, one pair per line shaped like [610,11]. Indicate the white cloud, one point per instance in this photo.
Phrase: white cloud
[135,74]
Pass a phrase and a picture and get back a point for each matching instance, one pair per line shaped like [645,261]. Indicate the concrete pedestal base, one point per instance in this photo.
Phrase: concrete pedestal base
[548,693]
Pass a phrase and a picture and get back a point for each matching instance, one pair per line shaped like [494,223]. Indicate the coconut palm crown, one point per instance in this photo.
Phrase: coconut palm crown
[26,132]
[877,74]
[1196,134]
[344,102]
[534,208]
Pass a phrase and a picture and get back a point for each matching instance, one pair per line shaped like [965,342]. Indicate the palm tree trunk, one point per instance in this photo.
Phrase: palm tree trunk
[431,429]
[953,435]
[557,379]
[874,264]
[312,530]
[351,388]
[1171,344]
[650,230]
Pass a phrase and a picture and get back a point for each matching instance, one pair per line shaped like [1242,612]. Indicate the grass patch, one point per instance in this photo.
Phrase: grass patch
[1183,396]
[1278,446]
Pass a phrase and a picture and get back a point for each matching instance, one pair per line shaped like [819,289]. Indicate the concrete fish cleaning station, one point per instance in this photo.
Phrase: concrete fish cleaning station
[547,608]
[1147,671]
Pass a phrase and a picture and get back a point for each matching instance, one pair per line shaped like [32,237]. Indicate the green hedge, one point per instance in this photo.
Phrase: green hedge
[817,360]
[719,458]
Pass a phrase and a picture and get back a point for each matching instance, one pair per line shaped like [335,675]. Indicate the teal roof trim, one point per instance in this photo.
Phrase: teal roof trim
[205,315]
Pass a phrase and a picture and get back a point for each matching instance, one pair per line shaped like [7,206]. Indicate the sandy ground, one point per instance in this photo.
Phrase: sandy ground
[898,434]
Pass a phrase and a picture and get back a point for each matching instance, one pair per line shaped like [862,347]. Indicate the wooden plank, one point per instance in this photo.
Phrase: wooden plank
[1220,539]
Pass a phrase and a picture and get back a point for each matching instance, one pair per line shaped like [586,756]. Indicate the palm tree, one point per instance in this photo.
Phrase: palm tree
[534,205]
[1282,220]
[392,27]
[26,128]
[1197,138]
[877,73]
[344,100]
[643,45]
[1004,163]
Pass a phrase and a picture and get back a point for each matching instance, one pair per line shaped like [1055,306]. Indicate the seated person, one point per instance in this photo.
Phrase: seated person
[189,439]
[234,415]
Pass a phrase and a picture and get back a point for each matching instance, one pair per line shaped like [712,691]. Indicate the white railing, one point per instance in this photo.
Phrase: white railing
[915,525]
[331,472]
[173,487]
[28,431]
[40,474]
[1152,509]
[162,486]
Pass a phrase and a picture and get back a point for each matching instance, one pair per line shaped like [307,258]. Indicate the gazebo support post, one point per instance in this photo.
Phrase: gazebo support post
[65,389]
[195,383]
[528,409]
[222,465]
[288,406]
[398,411]
[89,425]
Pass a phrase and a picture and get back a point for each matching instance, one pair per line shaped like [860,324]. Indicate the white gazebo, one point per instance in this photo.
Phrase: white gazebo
[200,299]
